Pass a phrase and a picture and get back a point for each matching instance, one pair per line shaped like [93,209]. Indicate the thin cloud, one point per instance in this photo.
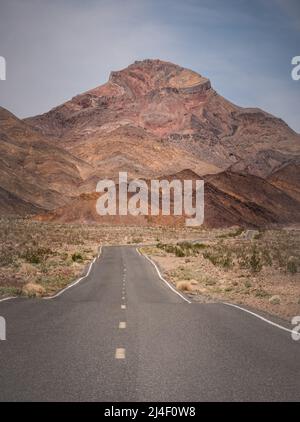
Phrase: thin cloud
[292,9]
[57,49]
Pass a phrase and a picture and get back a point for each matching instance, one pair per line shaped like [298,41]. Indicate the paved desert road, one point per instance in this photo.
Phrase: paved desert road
[65,349]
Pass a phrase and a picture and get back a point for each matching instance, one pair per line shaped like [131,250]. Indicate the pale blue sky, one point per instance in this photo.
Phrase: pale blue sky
[59,48]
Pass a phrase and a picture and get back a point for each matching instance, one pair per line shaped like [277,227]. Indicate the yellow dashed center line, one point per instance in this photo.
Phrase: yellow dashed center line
[120,353]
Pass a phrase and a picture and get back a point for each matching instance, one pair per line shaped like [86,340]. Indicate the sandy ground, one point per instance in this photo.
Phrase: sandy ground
[39,258]
[271,284]
[258,269]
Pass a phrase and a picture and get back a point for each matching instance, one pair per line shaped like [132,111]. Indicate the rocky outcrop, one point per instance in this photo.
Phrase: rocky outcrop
[34,170]
[177,105]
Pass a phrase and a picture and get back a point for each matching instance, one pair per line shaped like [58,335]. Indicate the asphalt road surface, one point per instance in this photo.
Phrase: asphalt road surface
[122,334]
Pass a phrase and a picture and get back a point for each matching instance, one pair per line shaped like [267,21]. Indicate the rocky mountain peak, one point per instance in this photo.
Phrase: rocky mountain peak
[151,119]
[145,76]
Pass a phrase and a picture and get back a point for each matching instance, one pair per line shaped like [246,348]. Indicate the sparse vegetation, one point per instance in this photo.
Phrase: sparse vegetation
[137,240]
[36,255]
[248,284]
[234,233]
[258,235]
[255,261]
[222,258]
[51,255]
[182,249]
[179,252]
[259,270]
[261,293]
[291,265]
[41,258]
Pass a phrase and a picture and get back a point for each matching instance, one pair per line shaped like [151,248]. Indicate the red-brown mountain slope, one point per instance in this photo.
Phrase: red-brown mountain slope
[176,104]
[35,170]
[151,119]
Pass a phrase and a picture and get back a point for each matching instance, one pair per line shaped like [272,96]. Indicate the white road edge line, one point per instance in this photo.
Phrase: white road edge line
[77,281]
[161,277]
[120,353]
[259,317]
[9,298]
[66,288]
[225,303]
[138,251]
[171,287]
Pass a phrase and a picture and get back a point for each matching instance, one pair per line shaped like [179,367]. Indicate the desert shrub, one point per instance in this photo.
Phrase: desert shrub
[184,286]
[258,235]
[261,293]
[279,257]
[291,266]
[137,240]
[255,261]
[198,246]
[226,261]
[235,233]
[211,257]
[182,248]
[185,245]
[220,257]
[266,257]
[76,256]
[179,252]
[7,257]
[10,290]
[248,284]
[170,248]
[209,281]
[275,300]
[36,255]
[243,262]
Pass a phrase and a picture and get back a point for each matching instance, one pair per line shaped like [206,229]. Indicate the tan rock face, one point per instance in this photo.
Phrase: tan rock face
[153,95]
[35,173]
[176,104]
[151,119]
